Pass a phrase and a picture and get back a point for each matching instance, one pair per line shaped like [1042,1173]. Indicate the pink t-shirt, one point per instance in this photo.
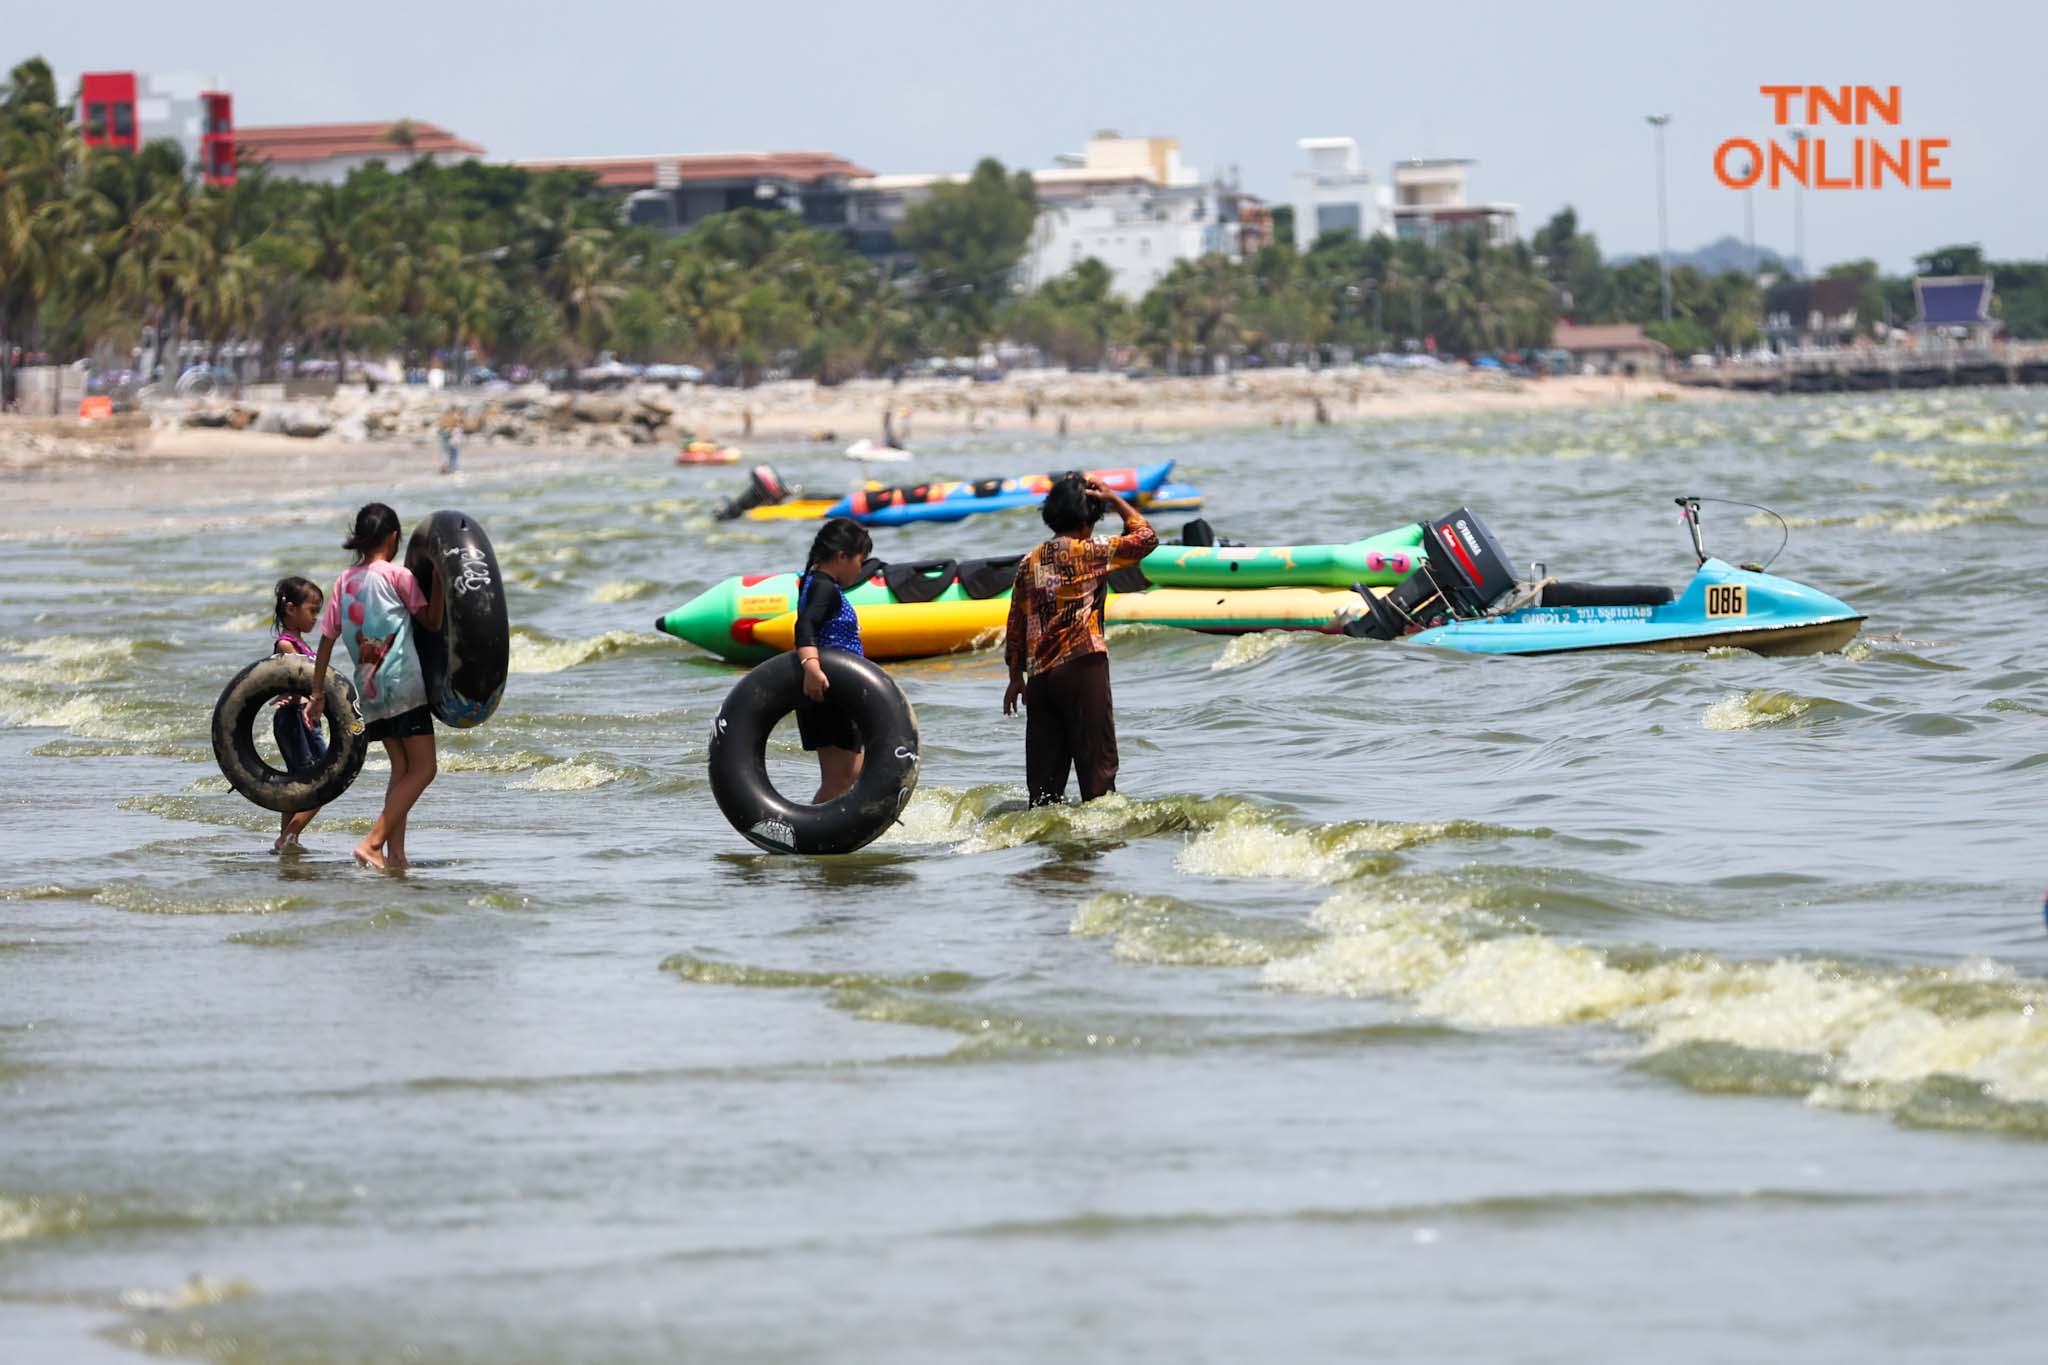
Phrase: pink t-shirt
[369,614]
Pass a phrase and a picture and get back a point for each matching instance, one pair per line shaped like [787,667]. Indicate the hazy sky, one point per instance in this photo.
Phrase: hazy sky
[1548,96]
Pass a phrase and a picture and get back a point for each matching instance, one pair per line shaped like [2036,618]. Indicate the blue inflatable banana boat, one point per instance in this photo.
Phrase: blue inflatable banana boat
[901,505]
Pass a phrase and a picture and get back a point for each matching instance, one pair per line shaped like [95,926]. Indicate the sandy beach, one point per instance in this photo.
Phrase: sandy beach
[802,411]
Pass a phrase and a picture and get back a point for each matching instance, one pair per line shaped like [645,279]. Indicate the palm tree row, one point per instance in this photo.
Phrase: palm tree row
[103,252]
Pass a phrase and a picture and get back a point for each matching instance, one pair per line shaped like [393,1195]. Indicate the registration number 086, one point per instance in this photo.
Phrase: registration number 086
[1727,599]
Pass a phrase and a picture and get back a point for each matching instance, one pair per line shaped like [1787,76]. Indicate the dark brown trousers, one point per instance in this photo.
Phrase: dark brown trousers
[1069,723]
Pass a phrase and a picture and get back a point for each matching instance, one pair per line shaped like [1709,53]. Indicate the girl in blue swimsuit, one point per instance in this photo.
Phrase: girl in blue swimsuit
[825,620]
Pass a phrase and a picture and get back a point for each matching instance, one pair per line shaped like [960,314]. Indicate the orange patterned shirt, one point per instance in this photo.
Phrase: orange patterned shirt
[1056,603]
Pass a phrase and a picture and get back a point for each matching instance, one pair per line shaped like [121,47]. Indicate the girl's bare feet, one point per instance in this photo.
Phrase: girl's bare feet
[370,856]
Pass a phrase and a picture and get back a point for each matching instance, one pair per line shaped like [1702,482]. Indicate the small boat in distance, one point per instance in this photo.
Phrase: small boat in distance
[708,452]
[865,449]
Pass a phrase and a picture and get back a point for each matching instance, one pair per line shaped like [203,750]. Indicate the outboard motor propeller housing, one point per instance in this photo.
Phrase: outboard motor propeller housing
[764,489]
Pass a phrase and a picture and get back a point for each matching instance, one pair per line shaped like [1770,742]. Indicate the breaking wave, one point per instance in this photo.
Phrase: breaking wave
[1963,1046]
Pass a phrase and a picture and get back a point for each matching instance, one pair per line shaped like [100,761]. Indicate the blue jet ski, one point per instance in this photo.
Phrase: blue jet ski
[1464,596]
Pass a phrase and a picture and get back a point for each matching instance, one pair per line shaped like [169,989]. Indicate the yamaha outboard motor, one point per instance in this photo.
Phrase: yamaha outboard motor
[1463,573]
[1200,533]
[765,488]
[1480,574]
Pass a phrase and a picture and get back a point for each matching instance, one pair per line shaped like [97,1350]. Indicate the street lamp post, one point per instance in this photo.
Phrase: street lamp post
[1369,288]
[1799,212]
[1658,121]
[1749,215]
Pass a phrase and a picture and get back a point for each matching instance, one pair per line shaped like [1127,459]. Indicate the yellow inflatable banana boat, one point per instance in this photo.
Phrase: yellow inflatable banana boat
[894,630]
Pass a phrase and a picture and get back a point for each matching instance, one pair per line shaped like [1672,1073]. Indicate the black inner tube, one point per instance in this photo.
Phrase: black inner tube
[465,663]
[246,698]
[739,756]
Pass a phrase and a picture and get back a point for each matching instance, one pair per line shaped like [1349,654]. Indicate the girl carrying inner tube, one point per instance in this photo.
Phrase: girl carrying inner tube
[825,618]
[295,609]
[371,611]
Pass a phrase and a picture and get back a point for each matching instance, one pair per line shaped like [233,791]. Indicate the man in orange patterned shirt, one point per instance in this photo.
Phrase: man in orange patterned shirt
[1059,662]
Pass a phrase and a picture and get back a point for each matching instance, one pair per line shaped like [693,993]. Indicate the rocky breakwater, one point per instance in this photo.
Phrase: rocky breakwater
[528,416]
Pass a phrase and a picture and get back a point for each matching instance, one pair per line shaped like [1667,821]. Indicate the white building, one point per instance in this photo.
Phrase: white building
[1430,203]
[1126,201]
[175,105]
[1334,195]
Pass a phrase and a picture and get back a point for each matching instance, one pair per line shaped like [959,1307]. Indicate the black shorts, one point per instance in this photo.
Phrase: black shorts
[406,725]
[821,725]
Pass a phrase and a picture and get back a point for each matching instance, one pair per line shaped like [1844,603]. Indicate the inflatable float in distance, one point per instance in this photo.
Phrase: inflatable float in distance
[1171,497]
[902,504]
[738,757]
[248,694]
[708,452]
[1168,497]
[466,661]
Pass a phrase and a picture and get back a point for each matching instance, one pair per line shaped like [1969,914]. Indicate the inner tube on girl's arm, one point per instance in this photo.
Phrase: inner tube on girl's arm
[739,756]
[466,661]
[234,735]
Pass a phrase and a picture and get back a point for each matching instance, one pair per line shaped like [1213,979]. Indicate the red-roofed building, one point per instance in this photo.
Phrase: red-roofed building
[676,191]
[326,152]
[1612,347]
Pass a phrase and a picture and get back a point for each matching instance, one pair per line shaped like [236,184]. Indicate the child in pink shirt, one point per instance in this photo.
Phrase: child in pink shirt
[371,612]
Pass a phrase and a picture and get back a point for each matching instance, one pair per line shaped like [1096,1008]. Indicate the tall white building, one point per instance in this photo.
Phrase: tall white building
[1425,200]
[1126,201]
[1430,203]
[1334,194]
[1129,203]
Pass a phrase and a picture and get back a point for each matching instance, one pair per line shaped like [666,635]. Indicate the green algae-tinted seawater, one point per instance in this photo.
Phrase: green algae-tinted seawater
[1407,1005]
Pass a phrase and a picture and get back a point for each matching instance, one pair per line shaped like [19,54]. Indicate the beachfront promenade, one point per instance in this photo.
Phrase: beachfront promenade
[1853,369]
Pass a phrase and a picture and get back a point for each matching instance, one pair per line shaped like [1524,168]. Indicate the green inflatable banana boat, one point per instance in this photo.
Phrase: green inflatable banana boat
[1379,561]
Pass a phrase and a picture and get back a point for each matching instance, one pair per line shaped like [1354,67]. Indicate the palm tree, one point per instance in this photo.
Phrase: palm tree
[404,135]
[580,280]
[39,153]
[223,294]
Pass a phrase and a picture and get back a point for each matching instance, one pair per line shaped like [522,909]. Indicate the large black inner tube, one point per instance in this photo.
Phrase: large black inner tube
[245,699]
[465,662]
[739,756]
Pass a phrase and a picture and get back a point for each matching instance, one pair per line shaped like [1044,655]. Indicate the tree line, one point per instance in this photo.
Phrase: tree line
[99,247]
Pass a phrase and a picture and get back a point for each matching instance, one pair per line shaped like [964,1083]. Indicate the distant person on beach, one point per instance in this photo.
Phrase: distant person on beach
[451,448]
[825,619]
[371,611]
[294,611]
[1058,658]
